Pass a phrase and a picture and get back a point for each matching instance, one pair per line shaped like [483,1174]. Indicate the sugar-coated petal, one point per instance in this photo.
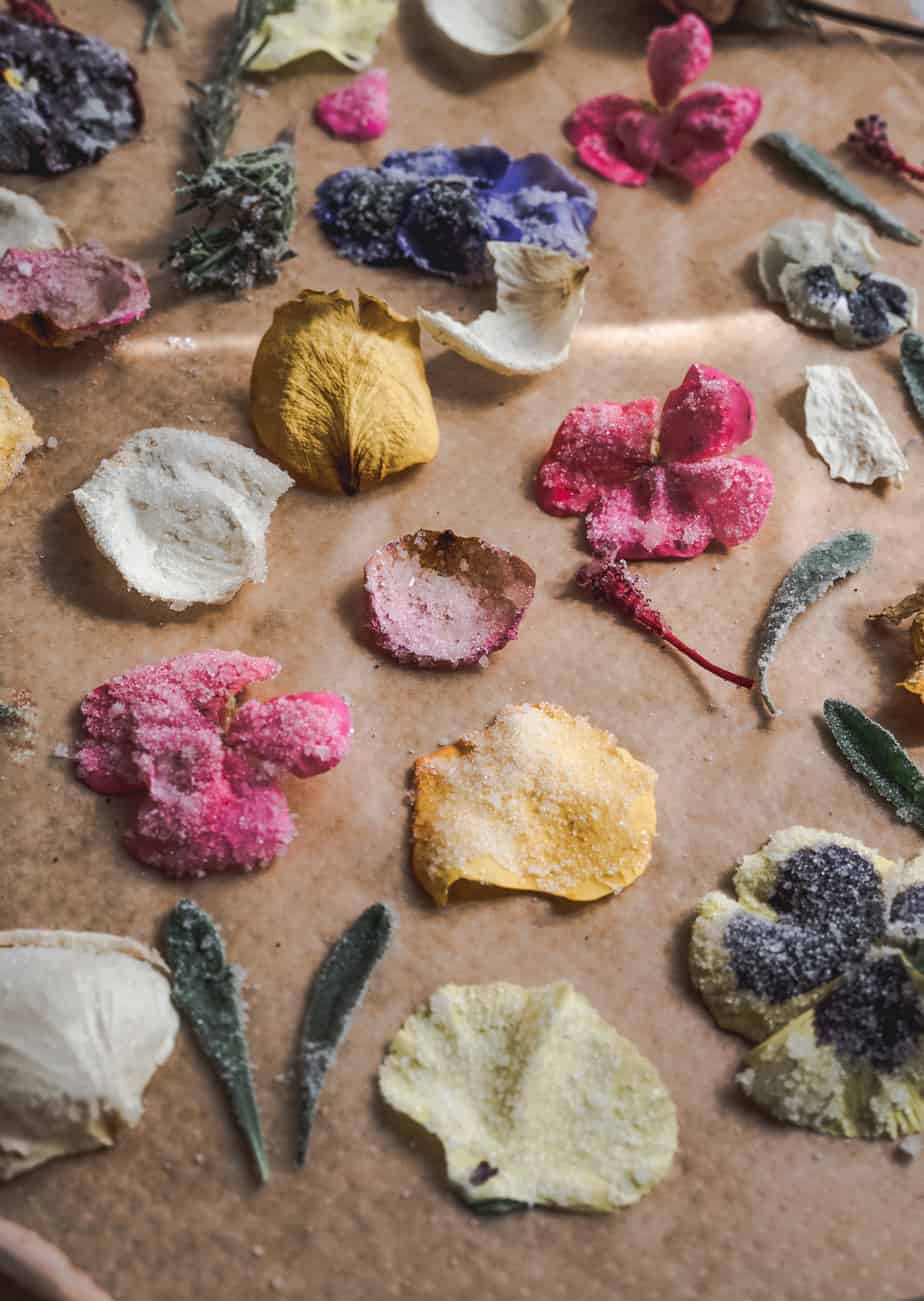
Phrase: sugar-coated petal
[17,435]
[444,230]
[304,734]
[677,55]
[733,493]
[24,223]
[359,211]
[616,138]
[710,413]
[706,129]
[359,110]
[484,164]
[595,449]
[440,601]
[650,518]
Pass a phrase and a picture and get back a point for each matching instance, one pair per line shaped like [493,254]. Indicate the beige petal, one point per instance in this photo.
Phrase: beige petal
[348,30]
[42,1268]
[844,426]
[496,28]
[24,223]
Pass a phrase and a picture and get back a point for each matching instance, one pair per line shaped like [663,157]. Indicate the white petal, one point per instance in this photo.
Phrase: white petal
[500,27]
[540,297]
[845,428]
[24,223]
[847,245]
[183,515]
[348,30]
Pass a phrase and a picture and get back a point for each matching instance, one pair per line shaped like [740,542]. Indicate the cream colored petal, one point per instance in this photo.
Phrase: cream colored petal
[500,27]
[85,1020]
[42,1268]
[844,426]
[183,515]
[534,1085]
[540,297]
[24,223]
[348,30]
[17,436]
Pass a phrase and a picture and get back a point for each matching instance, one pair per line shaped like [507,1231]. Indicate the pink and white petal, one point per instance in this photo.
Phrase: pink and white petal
[710,413]
[302,734]
[706,129]
[677,55]
[733,493]
[615,137]
[359,110]
[595,449]
[650,518]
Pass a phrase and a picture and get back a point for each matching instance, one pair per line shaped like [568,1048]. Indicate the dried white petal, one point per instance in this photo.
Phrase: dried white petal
[845,428]
[847,243]
[495,29]
[24,223]
[540,297]
[183,515]
[85,1020]
[347,30]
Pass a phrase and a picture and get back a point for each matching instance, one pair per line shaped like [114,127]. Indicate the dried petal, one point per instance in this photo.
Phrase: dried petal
[25,224]
[677,55]
[706,129]
[616,138]
[537,801]
[540,297]
[59,297]
[596,449]
[340,396]
[520,27]
[183,515]
[844,426]
[210,802]
[708,415]
[41,1268]
[358,111]
[17,435]
[440,601]
[910,607]
[347,30]
[536,1100]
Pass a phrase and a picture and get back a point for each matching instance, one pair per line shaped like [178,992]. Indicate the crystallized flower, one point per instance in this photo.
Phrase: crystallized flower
[438,208]
[815,961]
[625,140]
[654,484]
[824,278]
[17,435]
[206,769]
[357,111]
[910,607]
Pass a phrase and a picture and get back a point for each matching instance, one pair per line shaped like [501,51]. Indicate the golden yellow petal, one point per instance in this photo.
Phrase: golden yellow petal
[17,435]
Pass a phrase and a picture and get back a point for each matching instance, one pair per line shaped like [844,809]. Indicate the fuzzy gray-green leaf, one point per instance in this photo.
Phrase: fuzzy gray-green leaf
[336,992]
[822,170]
[913,368]
[874,753]
[207,991]
[810,577]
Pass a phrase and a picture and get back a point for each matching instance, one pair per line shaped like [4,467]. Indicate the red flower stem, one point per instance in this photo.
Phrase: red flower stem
[701,660]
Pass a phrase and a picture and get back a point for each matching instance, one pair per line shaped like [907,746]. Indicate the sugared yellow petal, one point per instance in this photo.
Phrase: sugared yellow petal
[17,435]
[537,801]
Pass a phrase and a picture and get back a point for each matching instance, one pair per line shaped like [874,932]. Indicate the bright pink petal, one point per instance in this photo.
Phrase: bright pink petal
[710,413]
[616,138]
[733,493]
[677,55]
[651,518]
[706,129]
[595,449]
[305,734]
[358,111]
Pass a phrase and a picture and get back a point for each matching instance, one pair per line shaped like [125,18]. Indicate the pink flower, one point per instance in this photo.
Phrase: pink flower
[625,139]
[357,111]
[652,488]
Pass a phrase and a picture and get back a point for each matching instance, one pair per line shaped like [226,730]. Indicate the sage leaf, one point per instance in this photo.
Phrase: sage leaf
[874,753]
[208,992]
[810,577]
[912,356]
[821,169]
[336,993]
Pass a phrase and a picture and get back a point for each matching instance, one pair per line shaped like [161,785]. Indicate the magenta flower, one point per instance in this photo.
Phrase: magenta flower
[625,139]
[652,487]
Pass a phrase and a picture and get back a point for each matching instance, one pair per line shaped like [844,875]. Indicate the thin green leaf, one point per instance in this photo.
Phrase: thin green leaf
[208,992]
[810,577]
[913,368]
[336,993]
[822,170]
[874,753]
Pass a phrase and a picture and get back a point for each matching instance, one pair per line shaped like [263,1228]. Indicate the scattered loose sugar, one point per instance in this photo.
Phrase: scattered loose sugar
[51,442]
[19,721]
[182,343]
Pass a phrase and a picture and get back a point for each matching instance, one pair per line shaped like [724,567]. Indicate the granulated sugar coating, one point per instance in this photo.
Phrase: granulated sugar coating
[536,1100]
[207,771]
[441,601]
[60,296]
[358,110]
[537,801]
[652,487]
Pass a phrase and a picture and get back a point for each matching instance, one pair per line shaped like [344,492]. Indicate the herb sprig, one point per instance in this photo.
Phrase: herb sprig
[159,11]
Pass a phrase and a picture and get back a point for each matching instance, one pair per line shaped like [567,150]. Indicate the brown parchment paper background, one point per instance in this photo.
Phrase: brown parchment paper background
[752,1210]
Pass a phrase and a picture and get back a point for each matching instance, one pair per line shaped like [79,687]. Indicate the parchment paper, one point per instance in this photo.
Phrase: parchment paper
[752,1210]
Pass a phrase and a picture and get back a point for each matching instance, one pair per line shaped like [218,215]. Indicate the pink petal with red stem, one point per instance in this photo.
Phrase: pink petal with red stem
[709,414]
[441,601]
[616,138]
[595,449]
[677,55]
[706,129]
[358,111]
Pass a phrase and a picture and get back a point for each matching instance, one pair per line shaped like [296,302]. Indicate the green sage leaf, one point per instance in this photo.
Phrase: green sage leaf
[913,368]
[810,577]
[207,991]
[336,993]
[821,169]
[874,753]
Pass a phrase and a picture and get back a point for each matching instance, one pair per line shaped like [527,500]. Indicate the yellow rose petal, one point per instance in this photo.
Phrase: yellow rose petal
[348,30]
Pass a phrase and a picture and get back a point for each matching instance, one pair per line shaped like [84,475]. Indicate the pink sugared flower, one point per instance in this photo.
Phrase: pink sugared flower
[625,139]
[652,487]
[205,769]
[357,111]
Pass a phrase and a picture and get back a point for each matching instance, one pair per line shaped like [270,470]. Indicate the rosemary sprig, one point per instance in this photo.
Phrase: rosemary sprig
[159,11]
